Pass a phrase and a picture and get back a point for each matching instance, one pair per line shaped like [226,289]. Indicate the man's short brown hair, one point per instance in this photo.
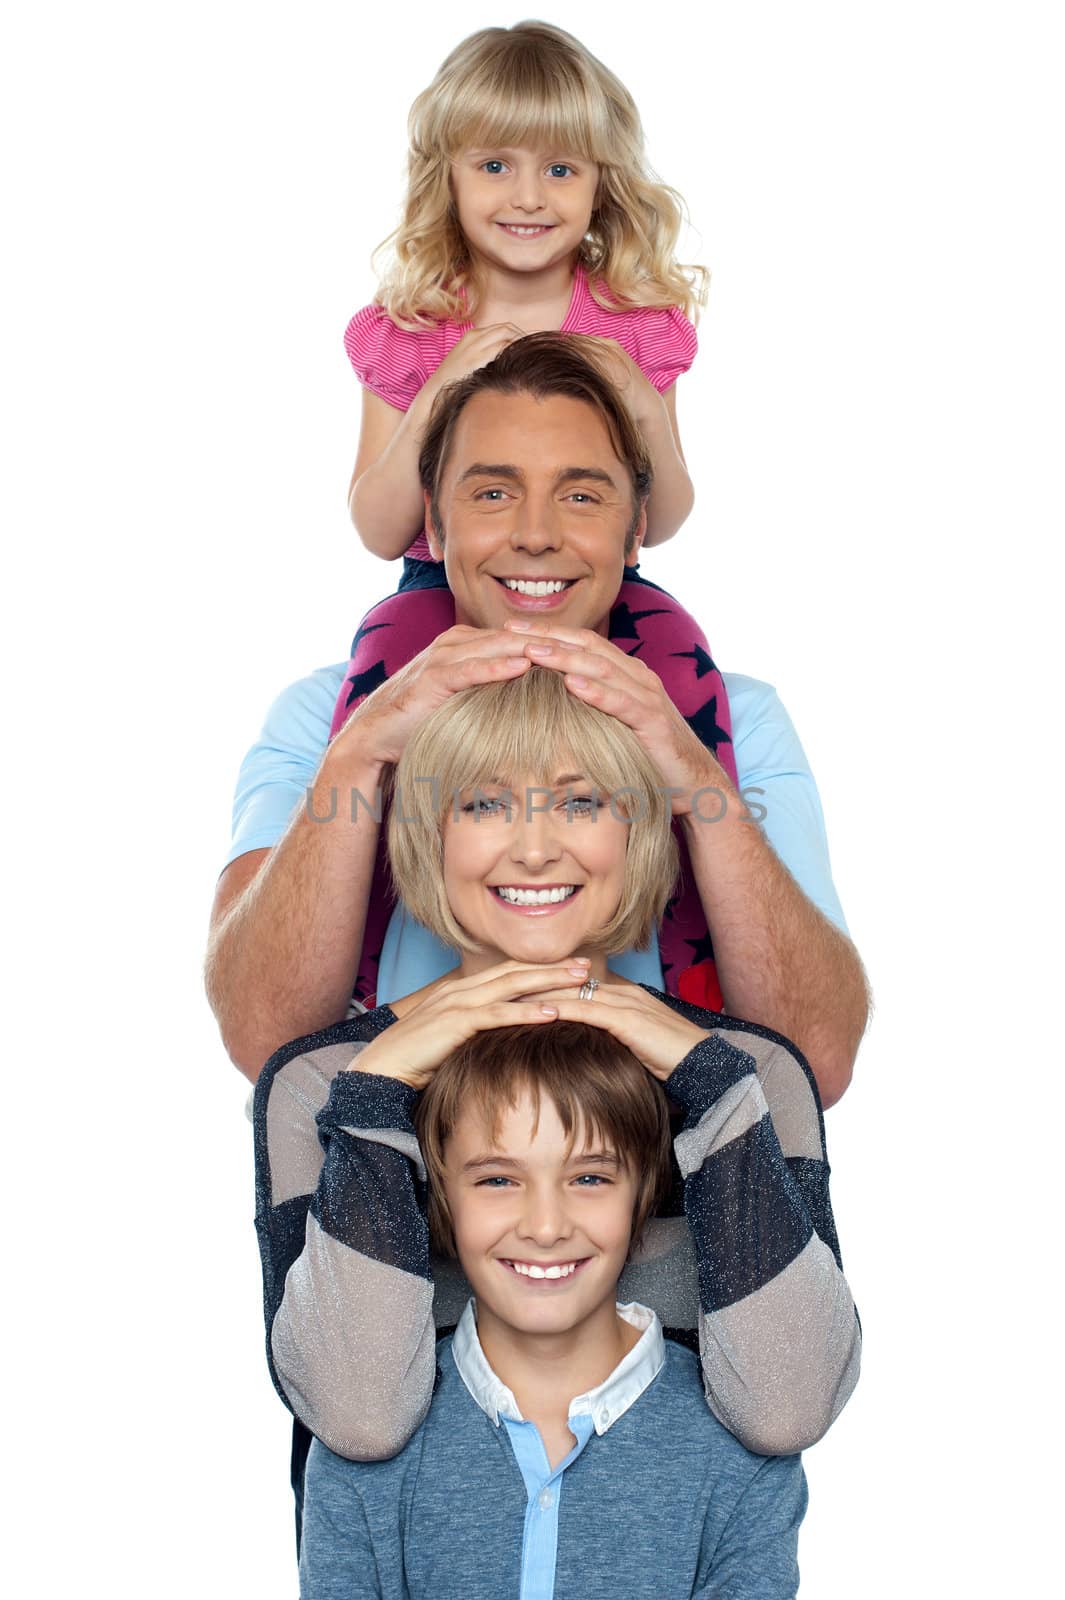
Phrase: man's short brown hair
[598,1087]
[542,365]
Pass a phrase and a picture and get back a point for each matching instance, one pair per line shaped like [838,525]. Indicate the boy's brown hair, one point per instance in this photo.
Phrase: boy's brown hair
[598,1087]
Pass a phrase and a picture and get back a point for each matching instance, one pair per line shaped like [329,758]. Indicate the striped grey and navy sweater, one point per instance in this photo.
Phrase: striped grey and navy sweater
[741,1262]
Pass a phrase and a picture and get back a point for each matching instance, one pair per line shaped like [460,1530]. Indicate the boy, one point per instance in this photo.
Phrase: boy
[568,1449]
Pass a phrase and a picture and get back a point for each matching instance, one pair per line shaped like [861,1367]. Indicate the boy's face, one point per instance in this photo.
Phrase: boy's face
[542,1232]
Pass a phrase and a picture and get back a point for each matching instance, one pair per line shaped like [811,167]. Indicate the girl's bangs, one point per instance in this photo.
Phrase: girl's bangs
[537,110]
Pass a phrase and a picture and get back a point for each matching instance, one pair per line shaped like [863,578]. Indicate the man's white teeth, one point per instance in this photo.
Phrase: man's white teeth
[528,1270]
[536,897]
[540,587]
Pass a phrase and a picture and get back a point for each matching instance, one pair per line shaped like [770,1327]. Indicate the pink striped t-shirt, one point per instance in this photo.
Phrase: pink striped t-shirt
[394,362]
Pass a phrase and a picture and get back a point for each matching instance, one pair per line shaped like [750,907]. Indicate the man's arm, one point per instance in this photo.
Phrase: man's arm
[780,961]
[287,922]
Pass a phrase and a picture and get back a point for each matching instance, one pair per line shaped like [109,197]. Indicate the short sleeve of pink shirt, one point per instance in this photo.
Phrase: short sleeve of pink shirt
[394,362]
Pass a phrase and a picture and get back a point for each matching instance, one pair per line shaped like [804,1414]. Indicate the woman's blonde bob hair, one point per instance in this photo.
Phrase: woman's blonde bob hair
[536,86]
[527,730]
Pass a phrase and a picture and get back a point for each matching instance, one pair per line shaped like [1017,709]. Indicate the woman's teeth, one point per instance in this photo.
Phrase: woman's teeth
[540,587]
[528,1270]
[535,897]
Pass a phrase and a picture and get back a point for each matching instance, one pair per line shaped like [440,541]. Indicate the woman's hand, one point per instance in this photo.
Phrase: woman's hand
[653,1031]
[412,1048]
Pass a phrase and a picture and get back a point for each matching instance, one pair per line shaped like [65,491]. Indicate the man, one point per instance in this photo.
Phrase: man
[533,473]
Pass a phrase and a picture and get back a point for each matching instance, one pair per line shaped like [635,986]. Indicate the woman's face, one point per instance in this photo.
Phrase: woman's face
[532,872]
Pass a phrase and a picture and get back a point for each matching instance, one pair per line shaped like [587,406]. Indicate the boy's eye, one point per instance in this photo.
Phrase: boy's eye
[591,1180]
[497,1182]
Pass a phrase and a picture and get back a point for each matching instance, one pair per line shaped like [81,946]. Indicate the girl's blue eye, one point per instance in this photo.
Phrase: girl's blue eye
[493,167]
[559,169]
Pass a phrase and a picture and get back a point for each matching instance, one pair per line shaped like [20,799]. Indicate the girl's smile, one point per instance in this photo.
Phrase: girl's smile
[523,210]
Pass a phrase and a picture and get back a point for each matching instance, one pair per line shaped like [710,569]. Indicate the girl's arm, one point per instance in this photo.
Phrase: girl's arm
[672,496]
[385,496]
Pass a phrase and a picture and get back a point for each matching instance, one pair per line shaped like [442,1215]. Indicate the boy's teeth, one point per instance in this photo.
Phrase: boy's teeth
[527,1270]
[536,897]
[541,586]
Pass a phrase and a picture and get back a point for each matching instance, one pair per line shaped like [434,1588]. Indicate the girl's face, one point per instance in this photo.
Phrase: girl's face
[532,879]
[523,211]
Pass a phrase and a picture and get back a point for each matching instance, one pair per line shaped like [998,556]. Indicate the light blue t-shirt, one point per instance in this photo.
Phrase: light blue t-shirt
[774,777]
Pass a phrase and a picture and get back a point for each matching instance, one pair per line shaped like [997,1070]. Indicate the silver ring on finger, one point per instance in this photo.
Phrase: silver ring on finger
[587,990]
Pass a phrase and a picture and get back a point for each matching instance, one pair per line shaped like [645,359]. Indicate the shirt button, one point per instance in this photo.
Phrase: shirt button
[547,1499]
[604,1417]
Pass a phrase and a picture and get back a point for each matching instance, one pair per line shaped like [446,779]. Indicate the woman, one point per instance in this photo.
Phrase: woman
[536,868]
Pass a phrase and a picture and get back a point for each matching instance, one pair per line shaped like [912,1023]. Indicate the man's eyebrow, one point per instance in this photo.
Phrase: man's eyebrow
[584,475]
[488,469]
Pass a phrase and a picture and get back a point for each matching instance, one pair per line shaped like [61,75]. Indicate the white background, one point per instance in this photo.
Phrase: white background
[191,194]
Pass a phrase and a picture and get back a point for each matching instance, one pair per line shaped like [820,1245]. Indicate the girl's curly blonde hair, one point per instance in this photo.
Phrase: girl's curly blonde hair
[533,84]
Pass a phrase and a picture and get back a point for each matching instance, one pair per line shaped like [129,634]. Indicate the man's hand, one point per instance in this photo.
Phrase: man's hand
[603,676]
[460,658]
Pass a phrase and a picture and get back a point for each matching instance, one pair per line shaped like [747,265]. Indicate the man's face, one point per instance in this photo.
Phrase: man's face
[533,495]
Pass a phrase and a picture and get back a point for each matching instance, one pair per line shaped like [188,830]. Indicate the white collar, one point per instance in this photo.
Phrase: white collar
[605,1403]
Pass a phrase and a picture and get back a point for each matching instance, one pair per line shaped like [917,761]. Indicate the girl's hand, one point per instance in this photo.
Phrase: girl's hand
[644,400]
[475,349]
[412,1048]
[653,1031]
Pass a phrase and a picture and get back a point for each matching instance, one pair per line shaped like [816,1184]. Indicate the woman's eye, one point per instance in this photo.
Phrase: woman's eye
[582,805]
[487,805]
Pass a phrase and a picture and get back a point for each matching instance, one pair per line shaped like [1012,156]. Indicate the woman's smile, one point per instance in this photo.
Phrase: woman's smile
[533,870]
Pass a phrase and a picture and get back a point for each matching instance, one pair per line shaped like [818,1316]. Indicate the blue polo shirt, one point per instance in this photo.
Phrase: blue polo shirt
[656,1499]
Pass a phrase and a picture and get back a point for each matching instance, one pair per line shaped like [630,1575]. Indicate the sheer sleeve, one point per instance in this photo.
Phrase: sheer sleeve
[347,1283]
[779,1337]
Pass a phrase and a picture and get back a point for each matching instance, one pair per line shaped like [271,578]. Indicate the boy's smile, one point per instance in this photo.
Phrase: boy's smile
[542,1225]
